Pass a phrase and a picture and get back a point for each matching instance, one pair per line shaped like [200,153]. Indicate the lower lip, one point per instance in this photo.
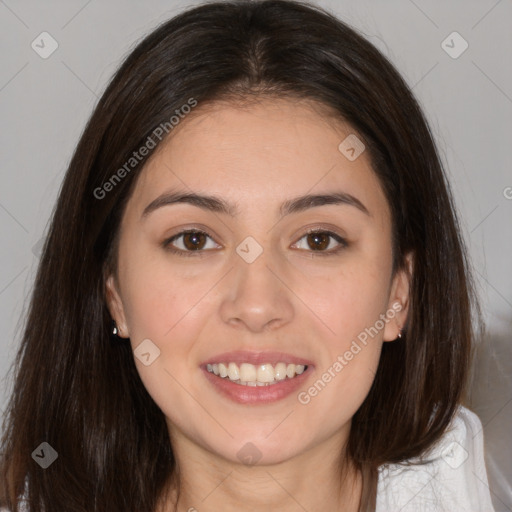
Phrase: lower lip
[257,394]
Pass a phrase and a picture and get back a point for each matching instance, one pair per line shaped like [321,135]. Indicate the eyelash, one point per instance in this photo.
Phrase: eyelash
[180,252]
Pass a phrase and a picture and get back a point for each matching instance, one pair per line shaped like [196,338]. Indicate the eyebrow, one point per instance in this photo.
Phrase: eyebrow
[219,205]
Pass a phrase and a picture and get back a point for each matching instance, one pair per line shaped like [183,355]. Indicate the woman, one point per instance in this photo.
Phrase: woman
[253,294]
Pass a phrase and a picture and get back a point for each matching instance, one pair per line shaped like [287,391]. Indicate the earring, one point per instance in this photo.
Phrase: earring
[115,330]
[400,333]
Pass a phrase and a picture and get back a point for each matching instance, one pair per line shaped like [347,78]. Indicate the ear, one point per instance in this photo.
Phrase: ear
[398,304]
[115,306]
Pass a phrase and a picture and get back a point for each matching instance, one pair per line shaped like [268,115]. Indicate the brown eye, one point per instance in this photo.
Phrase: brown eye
[194,240]
[319,241]
[188,242]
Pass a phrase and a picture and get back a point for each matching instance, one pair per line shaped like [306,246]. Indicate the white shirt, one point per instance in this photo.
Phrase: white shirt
[454,479]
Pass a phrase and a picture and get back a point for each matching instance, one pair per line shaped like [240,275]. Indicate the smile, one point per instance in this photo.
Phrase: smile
[256,384]
[247,374]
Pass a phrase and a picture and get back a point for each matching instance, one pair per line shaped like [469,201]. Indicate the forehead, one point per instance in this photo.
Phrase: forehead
[258,154]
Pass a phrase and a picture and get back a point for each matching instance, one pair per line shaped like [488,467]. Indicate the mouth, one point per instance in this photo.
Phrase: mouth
[251,378]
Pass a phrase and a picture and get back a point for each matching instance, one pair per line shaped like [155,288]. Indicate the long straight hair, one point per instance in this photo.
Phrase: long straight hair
[77,388]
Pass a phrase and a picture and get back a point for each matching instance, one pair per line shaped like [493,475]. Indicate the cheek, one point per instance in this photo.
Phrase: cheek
[350,298]
[170,307]
[349,302]
[160,297]
[170,310]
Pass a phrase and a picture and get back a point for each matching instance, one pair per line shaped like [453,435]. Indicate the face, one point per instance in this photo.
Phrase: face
[249,286]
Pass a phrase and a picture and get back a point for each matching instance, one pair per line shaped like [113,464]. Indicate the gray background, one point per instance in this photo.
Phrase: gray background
[44,104]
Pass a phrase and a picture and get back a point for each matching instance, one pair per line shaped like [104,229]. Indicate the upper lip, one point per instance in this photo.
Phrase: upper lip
[256,358]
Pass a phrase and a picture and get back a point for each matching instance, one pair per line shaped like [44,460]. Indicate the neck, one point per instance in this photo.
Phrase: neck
[314,480]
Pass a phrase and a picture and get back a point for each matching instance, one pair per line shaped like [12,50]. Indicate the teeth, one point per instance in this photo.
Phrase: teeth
[250,375]
[247,372]
[223,371]
[280,371]
[233,372]
[265,373]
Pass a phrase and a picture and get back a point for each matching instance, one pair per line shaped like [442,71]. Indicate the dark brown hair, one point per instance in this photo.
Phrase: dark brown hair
[78,389]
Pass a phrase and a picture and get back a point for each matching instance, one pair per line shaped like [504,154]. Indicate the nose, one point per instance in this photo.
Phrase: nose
[256,298]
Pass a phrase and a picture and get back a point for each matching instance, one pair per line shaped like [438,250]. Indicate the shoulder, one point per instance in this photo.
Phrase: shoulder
[452,478]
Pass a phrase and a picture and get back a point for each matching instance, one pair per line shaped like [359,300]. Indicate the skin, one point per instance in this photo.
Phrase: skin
[290,299]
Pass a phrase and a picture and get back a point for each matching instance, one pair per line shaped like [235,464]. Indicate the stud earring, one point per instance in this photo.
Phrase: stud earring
[114,330]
